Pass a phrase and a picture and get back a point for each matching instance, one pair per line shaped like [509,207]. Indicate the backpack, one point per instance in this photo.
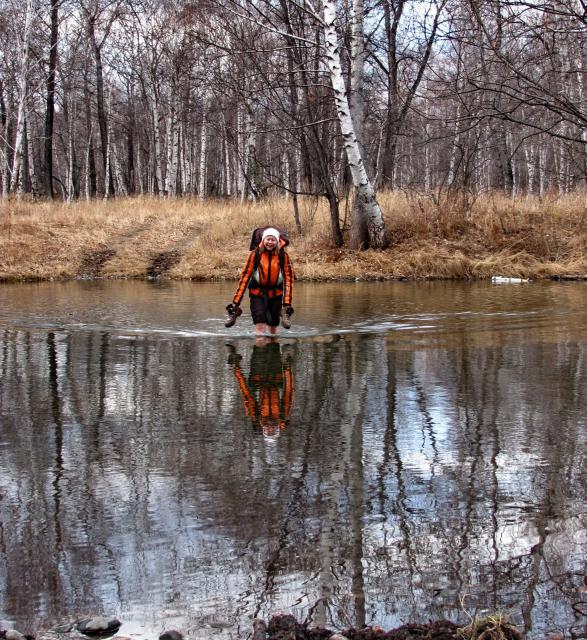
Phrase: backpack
[256,238]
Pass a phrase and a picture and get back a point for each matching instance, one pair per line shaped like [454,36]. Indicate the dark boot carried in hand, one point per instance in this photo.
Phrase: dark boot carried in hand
[234,311]
[286,314]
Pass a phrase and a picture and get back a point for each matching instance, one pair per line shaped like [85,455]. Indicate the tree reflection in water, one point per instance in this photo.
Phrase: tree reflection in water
[406,479]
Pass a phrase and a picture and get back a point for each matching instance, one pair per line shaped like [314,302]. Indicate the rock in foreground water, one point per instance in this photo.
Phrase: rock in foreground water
[285,627]
[98,626]
[12,634]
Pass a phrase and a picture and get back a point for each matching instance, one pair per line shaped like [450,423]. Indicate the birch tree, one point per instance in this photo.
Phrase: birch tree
[17,179]
[172,152]
[50,97]
[359,231]
[4,148]
[465,96]
[99,23]
[364,191]
[395,64]
[203,150]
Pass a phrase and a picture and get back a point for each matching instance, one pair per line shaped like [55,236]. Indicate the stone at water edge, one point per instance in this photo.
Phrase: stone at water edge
[171,635]
[99,625]
[12,634]
[282,627]
[259,629]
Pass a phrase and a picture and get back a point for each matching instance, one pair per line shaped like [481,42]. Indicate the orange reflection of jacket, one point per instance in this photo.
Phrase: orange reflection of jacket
[267,266]
[271,404]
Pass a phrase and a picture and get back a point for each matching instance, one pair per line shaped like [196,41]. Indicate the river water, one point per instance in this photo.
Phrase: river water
[408,451]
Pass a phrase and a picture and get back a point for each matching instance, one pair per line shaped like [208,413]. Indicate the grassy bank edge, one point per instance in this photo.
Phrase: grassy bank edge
[140,238]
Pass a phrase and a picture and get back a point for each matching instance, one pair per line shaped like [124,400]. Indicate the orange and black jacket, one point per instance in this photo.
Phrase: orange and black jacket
[262,275]
[274,395]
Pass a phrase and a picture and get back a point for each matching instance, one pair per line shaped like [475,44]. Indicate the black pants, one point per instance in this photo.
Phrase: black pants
[266,310]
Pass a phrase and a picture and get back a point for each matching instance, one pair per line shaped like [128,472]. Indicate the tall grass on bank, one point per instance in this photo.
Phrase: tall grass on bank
[528,237]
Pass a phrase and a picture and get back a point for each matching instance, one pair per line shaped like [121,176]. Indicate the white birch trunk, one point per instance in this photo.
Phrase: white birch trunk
[152,186]
[169,153]
[5,158]
[427,160]
[4,146]
[515,179]
[58,171]
[452,165]
[227,168]
[251,183]
[183,161]
[400,169]
[529,156]
[5,180]
[108,167]
[378,156]
[171,168]
[87,166]
[158,160]
[247,157]
[192,165]
[107,193]
[70,162]
[242,155]
[140,178]
[356,101]
[486,160]
[226,156]
[287,171]
[175,158]
[580,84]
[364,191]
[203,156]
[118,173]
[34,178]
[542,170]
[16,181]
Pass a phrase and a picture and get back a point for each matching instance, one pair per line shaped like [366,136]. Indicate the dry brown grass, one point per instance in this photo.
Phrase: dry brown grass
[428,238]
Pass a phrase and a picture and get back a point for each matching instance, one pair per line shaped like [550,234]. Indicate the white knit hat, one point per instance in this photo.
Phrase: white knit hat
[270,231]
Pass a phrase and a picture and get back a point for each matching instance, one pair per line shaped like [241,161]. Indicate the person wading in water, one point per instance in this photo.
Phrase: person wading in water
[269,275]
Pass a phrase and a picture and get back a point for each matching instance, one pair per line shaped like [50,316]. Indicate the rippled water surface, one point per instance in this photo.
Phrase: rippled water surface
[405,452]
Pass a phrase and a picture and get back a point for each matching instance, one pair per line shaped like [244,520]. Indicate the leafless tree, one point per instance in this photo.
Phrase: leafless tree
[235,98]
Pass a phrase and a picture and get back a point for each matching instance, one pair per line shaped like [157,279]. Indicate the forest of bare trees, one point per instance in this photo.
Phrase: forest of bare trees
[241,98]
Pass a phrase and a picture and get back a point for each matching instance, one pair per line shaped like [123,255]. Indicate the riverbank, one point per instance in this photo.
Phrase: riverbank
[188,239]
[286,627]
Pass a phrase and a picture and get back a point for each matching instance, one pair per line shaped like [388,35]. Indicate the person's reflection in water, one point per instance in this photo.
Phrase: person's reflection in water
[267,394]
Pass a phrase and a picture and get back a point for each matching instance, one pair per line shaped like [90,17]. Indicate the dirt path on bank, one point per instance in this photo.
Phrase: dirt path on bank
[92,262]
[149,249]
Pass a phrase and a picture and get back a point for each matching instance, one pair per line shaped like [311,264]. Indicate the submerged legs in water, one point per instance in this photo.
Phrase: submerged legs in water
[262,329]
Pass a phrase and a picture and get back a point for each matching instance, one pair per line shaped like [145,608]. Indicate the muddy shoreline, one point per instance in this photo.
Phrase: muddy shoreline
[286,627]
[342,278]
